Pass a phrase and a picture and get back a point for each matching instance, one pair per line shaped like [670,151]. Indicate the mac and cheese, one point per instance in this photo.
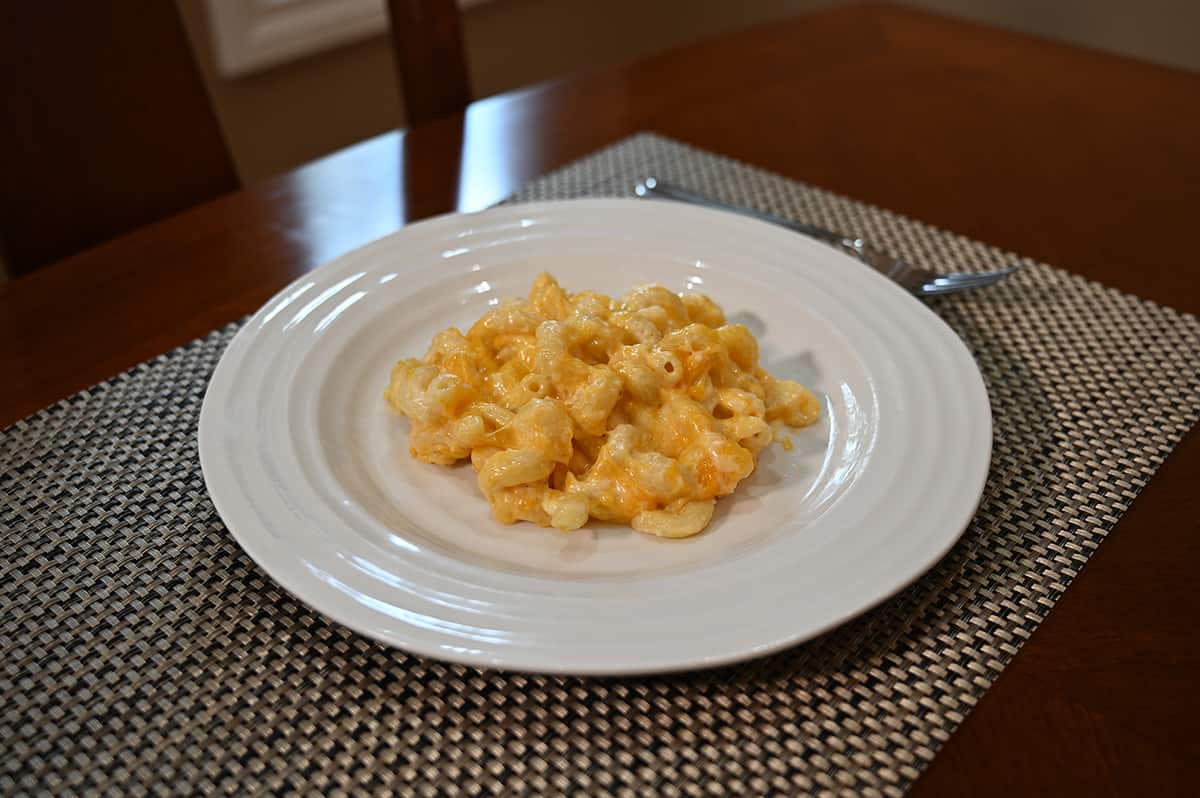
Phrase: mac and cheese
[640,410]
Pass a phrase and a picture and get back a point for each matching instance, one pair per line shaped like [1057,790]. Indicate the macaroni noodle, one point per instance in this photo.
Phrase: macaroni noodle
[642,410]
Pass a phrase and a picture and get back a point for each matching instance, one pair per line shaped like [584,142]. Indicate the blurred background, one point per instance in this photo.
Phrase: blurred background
[103,96]
[291,80]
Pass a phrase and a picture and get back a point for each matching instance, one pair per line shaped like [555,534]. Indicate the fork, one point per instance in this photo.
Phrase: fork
[921,282]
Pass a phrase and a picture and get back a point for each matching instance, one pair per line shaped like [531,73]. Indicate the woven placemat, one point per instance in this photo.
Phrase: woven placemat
[143,652]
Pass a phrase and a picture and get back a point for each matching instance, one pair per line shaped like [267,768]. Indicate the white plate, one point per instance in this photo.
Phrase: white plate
[312,475]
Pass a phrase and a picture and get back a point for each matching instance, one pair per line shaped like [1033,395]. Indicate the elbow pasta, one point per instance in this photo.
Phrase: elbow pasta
[640,411]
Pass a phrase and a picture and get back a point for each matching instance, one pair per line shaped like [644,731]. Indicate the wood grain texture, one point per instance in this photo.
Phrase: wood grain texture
[1086,161]
[105,126]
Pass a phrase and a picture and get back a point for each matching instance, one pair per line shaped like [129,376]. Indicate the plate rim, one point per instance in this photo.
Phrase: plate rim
[223,501]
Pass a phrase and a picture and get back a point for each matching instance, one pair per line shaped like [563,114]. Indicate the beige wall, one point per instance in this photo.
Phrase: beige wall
[285,116]
[1162,31]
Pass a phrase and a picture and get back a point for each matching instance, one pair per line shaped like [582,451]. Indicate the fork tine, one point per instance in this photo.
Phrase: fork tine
[961,281]
[962,284]
[929,289]
[957,283]
[970,277]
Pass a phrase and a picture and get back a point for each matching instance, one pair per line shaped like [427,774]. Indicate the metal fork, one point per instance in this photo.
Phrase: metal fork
[921,282]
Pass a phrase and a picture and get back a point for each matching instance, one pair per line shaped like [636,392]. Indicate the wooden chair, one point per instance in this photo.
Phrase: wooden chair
[105,127]
[430,62]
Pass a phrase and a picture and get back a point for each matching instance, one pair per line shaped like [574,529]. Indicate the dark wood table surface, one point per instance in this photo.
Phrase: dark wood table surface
[1084,160]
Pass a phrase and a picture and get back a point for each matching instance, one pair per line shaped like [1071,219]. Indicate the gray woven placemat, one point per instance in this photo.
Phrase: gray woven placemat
[143,652]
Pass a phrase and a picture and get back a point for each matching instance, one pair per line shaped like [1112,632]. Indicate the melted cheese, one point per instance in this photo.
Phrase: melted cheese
[640,410]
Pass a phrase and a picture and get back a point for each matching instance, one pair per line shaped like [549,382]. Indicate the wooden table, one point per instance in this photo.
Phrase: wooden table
[1087,161]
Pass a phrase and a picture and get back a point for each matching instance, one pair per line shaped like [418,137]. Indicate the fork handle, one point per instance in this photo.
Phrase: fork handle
[651,187]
